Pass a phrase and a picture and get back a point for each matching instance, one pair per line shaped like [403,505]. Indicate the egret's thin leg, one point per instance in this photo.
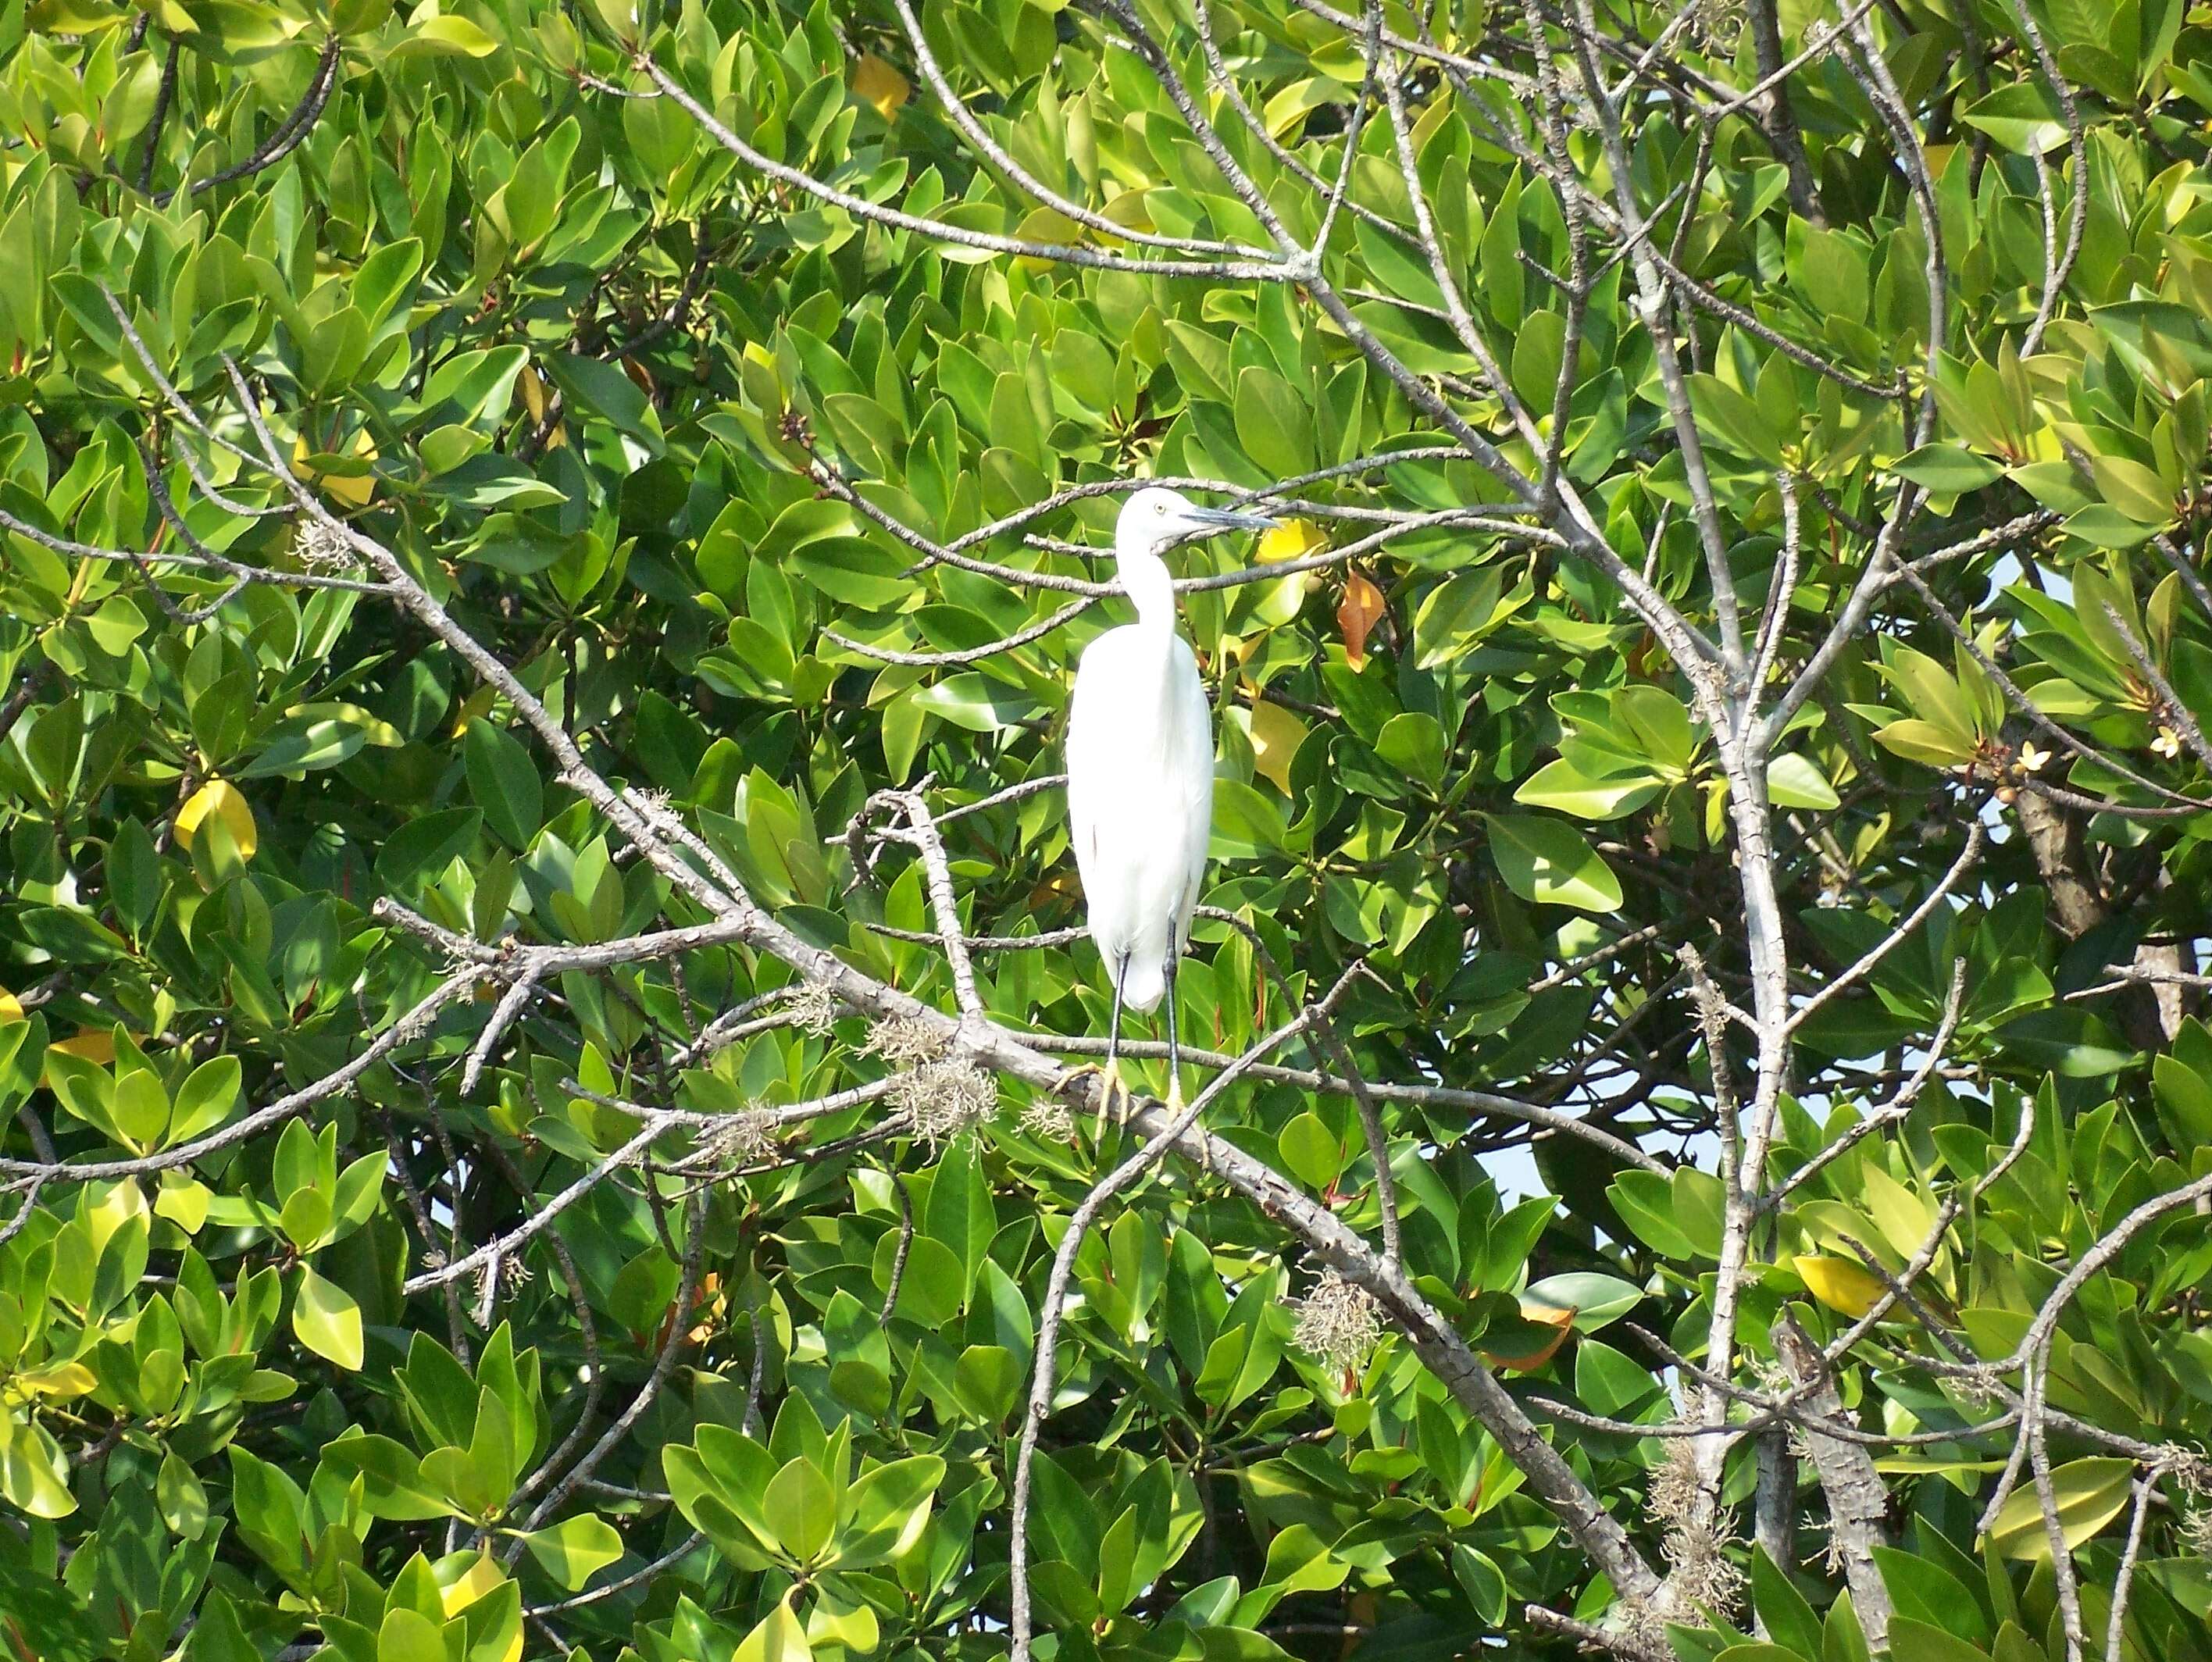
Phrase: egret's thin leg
[1110,1080]
[1175,1050]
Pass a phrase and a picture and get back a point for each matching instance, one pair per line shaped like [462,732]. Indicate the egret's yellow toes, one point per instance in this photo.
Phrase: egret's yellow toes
[1111,1092]
[1116,1101]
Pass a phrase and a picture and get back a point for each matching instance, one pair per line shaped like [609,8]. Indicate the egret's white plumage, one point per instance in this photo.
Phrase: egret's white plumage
[1141,798]
[1140,761]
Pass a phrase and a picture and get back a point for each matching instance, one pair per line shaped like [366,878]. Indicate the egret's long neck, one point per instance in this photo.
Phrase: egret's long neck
[1144,576]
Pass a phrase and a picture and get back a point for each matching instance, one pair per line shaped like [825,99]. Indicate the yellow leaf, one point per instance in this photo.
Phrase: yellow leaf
[110,1207]
[222,798]
[1356,616]
[1276,735]
[11,1007]
[65,1379]
[94,1045]
[472,707]
[531,391]
[875,81]
[471,1585]
[183,1201]
[1849,1289]
[465,1578]
[1294,539]
[534,392]
[352,489]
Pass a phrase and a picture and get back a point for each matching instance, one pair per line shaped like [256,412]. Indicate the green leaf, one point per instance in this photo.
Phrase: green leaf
[780,1638]
[1652,722]
[424,846]
[974,702]
[2134,490]
[1563,786]
[395,1486]
[326,1320]
[2022,116]
[205,1099]
[1454,615]
[474,387]
[2090,1493]
[1598,1301]
[181,1497]
[1792,781]
[1310,1151]
[800,1509]
[574,1550]
[405,1635]
[1274,425]
[1644,1201]
[450,35]
[1912,1640]
[1832,270]
[989,1379]
[1947,470]
[1247,824]
[134,875]
[504,782]
[1924,742]
[1548,862]
[852,570]
[1416,742]
[1783,1612]
[889,1507]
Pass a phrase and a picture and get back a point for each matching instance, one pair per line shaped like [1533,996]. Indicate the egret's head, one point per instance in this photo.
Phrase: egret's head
[1156,519]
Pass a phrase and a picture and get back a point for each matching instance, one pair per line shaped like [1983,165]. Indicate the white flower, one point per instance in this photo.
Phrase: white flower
[1700,1576]
[813,1009]
[745,1139]
[1046,1118]
[905,1040]
[1338,1322]
[944,1098]
[321,549]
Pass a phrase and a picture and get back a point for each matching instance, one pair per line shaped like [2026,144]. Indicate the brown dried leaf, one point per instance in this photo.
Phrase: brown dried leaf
[1560,1322]
[1357,615]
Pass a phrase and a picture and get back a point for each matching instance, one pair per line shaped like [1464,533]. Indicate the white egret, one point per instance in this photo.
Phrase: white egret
[1140,773]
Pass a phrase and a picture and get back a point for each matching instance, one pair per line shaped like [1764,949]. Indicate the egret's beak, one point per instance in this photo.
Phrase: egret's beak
[1230,519]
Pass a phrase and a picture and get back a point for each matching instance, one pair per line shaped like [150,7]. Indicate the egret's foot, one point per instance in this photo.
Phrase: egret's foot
[1114,1100]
